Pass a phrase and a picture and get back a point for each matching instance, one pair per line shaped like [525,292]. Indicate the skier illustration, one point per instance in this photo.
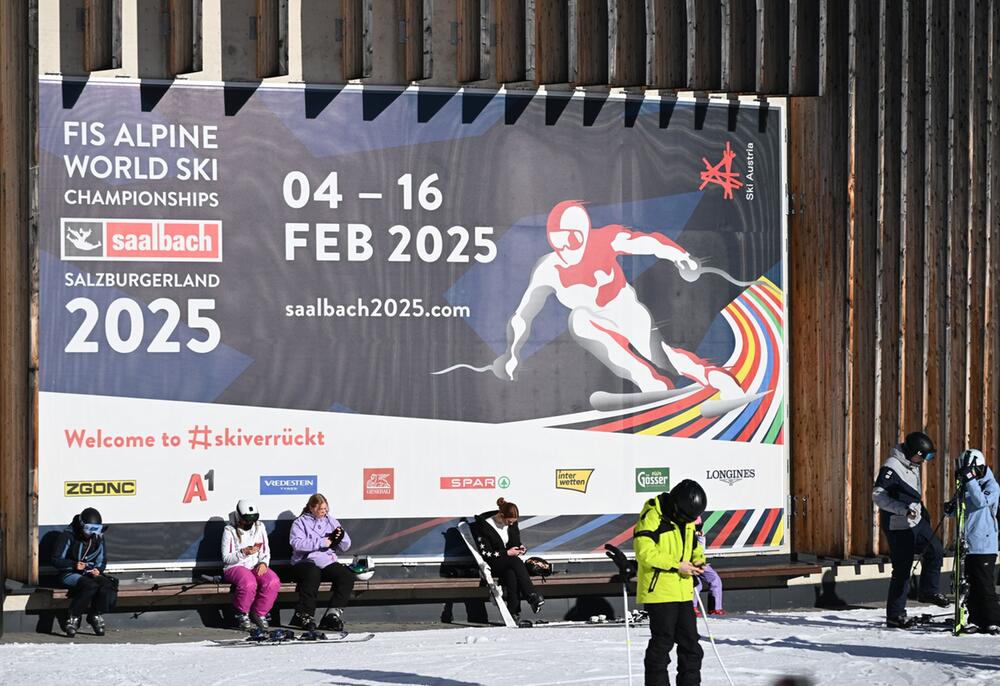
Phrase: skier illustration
[606,316]
[80,238]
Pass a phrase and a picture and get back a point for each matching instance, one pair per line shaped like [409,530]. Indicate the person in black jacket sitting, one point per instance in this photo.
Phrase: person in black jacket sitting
[499,542]
[80,560]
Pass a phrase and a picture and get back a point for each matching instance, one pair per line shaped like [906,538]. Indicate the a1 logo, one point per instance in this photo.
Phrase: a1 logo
[196,486]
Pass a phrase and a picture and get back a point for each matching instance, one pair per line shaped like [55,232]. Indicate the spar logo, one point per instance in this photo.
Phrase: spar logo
[141,240]
[380,483]
[108,487]
[652,479]
[573,479]
[474,482]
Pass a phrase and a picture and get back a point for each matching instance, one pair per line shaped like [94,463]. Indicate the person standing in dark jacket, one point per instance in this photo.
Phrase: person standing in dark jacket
[80,559]
[499,540]
[903,519]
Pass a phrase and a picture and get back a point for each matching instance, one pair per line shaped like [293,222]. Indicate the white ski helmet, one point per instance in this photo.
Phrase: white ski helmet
[975,460]
[247,511]
[363,567]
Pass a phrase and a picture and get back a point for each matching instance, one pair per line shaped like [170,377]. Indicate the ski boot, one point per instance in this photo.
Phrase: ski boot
[718,613]
[898,622]
[934,599]
[260,621]
[303,621]
[97,622]
[71,625]
[332,620]
[991,629]
[536,601]
[243,622]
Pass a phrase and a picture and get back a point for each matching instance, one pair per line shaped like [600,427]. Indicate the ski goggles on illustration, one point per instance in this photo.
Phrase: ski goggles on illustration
[93,529]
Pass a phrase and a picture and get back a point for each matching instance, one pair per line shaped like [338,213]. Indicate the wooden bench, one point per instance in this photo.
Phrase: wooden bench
[389,591]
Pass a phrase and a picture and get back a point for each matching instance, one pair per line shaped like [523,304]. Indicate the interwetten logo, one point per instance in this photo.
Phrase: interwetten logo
[76,489]
[380,483]
[286,485]
[730,476]
[573,479]
[470,482]
[652,479]
[141,240]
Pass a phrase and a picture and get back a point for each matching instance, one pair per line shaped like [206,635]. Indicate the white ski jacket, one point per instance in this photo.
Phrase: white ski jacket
[235,539]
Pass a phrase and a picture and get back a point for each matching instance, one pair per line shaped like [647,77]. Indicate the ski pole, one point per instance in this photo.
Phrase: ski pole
[704,616]
[628,637]
[913,569]
[184,589]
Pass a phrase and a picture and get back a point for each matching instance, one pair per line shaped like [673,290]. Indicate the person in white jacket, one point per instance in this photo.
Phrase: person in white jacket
[246,556]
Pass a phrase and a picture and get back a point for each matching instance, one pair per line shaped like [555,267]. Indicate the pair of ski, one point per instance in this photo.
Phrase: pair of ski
[276,637]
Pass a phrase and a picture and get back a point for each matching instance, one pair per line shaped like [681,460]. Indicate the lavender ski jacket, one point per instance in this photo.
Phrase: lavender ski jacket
[307,542]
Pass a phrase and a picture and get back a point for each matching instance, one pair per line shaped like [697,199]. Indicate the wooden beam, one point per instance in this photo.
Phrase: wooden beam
[510,62]
[352,56]
[772,46]
[589,42]
[268,38]
[551,42]
[739,55]
[180,42]
[98,49]
[912,335]
[804,48]
[991,327]
[666,43]
[704,45]
[469,64]
[413,15]
[626,43]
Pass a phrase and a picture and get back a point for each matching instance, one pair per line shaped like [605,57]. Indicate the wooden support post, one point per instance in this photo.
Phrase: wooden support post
[704,45]
[510,61]
[803,52]
[269,39]
[739,54]
[353,53]
[626,54]
[469,47]
[98,41]
[180,41]
[413,15]
[315,41]
[550,47]
[991,329]
[666,43]
[772,46]
[589,42]
[384,40]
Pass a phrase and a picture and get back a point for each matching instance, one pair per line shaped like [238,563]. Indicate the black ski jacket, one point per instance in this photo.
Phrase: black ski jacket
[490,544]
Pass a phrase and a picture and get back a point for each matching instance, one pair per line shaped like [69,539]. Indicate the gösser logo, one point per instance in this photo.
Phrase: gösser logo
[573,479]
[652,479]
[380,483]
[142,240]
[730,476]
[73,489]
[469,482]
[283,485]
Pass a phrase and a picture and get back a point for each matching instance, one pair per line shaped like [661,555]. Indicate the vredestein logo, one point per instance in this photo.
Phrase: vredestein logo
[652,479]
[573,479]
[730,476]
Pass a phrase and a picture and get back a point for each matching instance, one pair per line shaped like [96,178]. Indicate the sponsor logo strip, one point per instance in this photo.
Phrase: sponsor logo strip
[379,483]
[573,479]
[91,489]
[287,485]
[141,240]
[652,479]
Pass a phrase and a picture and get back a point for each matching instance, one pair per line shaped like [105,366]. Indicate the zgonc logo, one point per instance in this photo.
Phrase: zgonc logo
[77,489]
[142,240]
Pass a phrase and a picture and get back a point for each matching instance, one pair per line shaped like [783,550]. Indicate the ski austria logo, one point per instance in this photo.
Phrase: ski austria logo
[573,479]
[289,485]
[722,174]
[141,240]
[473,482]
[77,489]
[652,479]
[380,483]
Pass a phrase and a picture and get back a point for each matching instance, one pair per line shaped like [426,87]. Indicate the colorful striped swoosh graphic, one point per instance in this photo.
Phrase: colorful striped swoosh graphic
[756,318]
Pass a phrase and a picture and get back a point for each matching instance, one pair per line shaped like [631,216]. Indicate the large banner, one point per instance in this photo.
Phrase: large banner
[413,302]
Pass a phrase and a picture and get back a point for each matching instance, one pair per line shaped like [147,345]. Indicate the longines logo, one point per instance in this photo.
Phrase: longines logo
[730,476]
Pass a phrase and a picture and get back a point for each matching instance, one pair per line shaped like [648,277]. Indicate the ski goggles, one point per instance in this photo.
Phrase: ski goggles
[929,456]
[93,529]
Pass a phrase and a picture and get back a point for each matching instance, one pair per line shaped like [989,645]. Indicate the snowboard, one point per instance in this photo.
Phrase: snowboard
[496,593]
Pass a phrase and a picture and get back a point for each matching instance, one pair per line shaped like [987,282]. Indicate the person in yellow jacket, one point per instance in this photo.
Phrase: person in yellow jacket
[669,556]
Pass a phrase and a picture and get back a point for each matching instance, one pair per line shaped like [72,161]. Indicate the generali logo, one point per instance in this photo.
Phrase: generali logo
[730,476]
[474,482]
[380,483]
[573,479]
[141,240]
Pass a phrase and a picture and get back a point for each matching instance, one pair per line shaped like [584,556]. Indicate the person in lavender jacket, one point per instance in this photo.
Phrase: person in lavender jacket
[316,538]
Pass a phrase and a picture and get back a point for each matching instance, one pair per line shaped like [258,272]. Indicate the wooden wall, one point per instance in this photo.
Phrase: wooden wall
[894,227]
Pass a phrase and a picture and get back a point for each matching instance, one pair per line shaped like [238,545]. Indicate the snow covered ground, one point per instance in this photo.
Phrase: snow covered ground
[828,647]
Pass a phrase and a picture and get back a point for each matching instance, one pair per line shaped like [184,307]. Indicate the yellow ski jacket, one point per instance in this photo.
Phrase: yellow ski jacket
[660,546]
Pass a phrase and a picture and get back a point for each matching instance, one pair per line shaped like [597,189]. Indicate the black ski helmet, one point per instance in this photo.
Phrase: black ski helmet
[686,502]
[919,442]
[89,523]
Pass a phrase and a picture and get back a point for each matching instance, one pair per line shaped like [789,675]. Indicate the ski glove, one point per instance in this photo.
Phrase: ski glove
[336,536]
[966,475]
[949,508]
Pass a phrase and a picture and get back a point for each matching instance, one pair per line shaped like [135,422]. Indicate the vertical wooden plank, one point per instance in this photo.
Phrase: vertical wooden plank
[817,293]
[268,38]
[97,41]
[803,50]
[413,15]
[991,353]
[976,223]
[15,278]
[468,66]
[352,56]
[887,285]
[180,49]
[958,235]
[739,53]
[509,16]
[936,247]
[590,40]
[551,46]
[666,43]
[627,43]
[862,189]
[704,45]
[912,210]
[383,35]
[315,42]
[772,46]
